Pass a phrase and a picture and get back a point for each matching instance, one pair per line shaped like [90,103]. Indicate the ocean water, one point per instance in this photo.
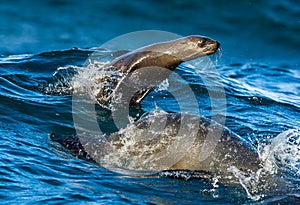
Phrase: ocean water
[44,42]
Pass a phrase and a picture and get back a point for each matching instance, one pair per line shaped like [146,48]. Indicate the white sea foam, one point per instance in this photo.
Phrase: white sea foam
[162,86]
[280,158]
[286,151]
[90,79]
[62,80]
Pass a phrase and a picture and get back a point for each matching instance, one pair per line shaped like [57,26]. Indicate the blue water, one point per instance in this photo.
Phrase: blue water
[259,67]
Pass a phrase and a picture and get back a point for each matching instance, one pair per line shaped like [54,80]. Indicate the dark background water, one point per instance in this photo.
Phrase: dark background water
[250,29]
[260,68]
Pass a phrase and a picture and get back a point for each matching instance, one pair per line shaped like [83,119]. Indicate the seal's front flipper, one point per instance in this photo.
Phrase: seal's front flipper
[72,144]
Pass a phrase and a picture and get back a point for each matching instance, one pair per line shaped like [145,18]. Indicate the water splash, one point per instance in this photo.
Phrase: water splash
[280,167]
[93,78]
[286,149]
[218,55]
[250,182]
[162,86]
[282,154]
[62,81]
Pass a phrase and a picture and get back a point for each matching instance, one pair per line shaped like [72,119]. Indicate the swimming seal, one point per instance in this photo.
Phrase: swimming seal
[231,149]
[150,60]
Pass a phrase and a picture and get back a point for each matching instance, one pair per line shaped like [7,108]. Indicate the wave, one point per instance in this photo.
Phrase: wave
[36,90]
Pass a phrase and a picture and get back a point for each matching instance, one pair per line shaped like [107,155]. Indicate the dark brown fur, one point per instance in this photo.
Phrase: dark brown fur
[167,55]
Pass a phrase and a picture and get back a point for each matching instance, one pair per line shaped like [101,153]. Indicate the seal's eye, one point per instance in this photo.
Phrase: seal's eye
[201,43]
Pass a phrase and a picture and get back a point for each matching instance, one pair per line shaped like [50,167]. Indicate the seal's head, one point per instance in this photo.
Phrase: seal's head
[192,47]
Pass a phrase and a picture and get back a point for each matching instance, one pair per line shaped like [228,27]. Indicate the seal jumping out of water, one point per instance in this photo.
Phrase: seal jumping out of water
[155,62]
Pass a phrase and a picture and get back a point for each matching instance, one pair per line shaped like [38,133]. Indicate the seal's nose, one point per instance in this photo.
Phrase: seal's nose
[207,41]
